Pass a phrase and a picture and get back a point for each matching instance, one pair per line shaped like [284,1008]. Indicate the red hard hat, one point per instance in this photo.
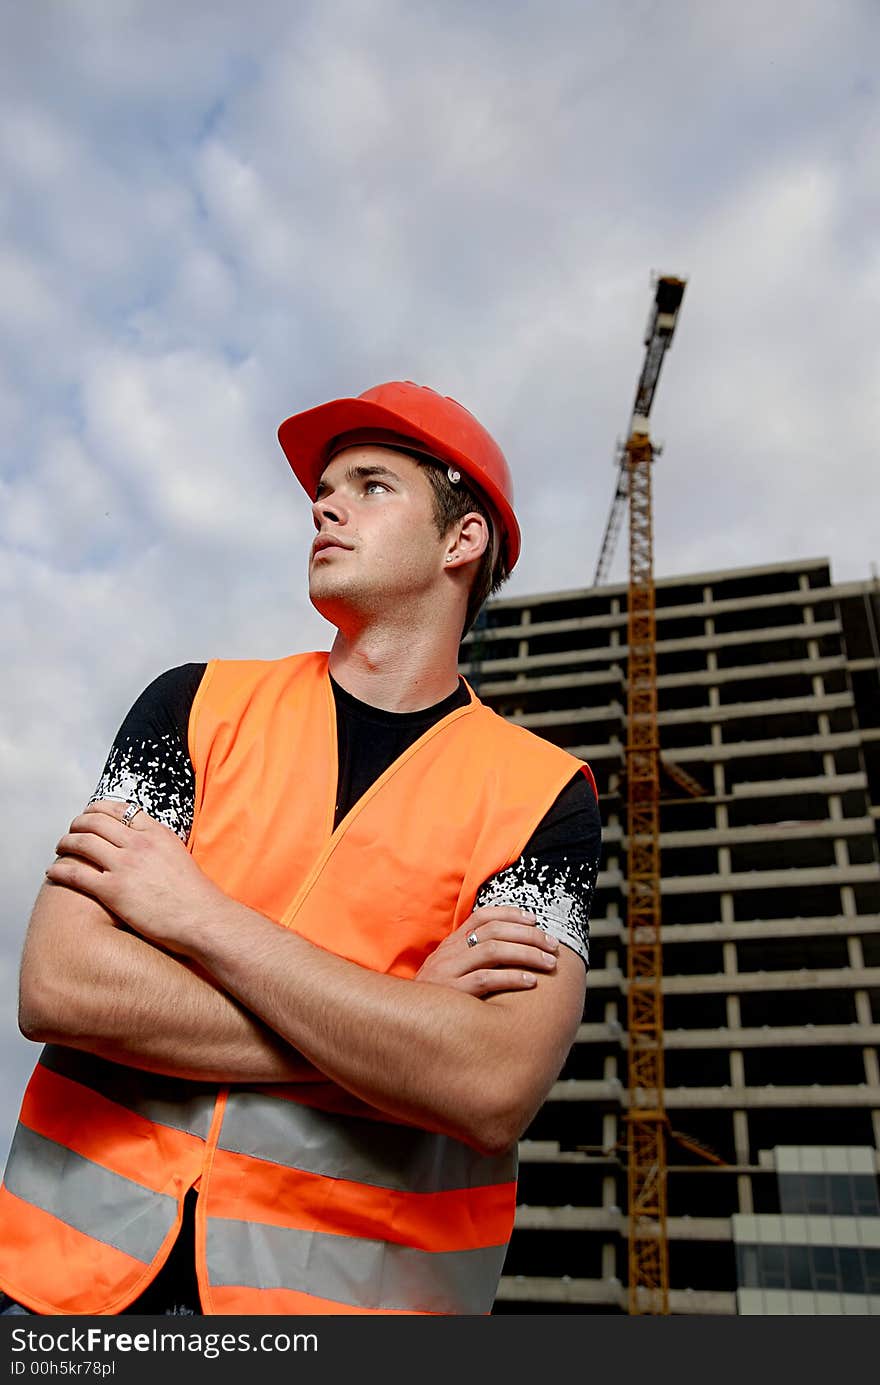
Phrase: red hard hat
[443,427]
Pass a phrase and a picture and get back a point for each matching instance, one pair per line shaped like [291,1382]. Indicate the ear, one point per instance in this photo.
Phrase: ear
[466,541]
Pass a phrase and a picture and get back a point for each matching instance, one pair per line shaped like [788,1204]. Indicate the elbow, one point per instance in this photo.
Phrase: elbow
[496,1128]
[32,1027]
[29,1019]
[493,1142]
[33,1022]
[41,1011]
[495,1113]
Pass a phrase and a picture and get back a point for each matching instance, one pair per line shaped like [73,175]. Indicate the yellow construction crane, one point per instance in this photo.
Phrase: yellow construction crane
[646,1115]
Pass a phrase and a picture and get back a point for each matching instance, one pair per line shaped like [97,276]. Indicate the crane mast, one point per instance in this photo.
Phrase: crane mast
[646,1115]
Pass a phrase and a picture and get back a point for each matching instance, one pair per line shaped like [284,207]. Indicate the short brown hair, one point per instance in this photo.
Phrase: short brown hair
[452,501]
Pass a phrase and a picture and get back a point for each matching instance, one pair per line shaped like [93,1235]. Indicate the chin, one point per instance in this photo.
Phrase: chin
[328,601]
[348,606]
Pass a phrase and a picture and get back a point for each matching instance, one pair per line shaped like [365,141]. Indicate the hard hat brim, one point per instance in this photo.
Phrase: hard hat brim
[305,439]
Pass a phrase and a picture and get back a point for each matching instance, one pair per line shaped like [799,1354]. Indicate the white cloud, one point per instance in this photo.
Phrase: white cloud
[32,308]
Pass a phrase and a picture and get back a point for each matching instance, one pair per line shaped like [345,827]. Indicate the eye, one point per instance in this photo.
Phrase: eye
[370,484]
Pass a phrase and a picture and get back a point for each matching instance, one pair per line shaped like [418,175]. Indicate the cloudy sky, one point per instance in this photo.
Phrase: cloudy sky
[216,214]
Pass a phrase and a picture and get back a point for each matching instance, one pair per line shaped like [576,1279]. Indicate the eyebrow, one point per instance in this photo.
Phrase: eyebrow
[359,473]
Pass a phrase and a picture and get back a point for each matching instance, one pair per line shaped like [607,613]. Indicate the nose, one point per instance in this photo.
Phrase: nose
[328,510]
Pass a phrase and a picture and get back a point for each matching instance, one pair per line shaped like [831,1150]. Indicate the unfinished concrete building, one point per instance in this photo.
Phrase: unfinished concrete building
[769,698]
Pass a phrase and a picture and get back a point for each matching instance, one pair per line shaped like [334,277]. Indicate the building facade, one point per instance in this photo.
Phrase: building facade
[769,701]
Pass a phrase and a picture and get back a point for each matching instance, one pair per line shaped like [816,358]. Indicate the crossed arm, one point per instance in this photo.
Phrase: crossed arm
[205,987]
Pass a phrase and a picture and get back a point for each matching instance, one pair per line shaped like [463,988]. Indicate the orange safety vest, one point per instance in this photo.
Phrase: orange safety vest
[309,1200]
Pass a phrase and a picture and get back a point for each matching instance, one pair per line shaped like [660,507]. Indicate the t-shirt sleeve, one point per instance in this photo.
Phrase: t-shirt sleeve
[555,877]
[149,761]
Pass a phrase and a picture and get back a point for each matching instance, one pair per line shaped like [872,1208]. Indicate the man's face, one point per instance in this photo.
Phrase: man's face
[377,547]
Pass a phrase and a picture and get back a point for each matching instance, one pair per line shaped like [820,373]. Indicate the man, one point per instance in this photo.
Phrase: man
[288,1062]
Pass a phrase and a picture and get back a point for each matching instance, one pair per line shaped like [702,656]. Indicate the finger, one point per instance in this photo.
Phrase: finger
[101,825]
[525,933]
[90,847]
[500,913]
[115,808]
[496,953]
[76,874]
[493,980]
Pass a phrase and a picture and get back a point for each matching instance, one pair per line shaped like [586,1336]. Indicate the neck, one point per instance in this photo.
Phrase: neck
[397,673]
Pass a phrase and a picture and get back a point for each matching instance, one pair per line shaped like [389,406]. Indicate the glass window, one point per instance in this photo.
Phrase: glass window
[852,1273]
[791,1194]
[840,1187]
[824,1269]
[816,1198]
[799,1268]
[865,1200]
[872,1270]
[772,1263]
[747,1267]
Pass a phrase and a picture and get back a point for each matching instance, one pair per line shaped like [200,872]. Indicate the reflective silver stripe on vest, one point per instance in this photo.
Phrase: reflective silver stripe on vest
[359,1273]
[363,1151]
[91,1199]
[171,1101]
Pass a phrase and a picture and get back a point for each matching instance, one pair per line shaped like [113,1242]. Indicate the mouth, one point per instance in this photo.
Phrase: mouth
[326,541]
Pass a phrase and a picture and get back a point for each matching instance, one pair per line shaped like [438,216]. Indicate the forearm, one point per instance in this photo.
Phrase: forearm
[90,985]
[474,1069]
[427,1054]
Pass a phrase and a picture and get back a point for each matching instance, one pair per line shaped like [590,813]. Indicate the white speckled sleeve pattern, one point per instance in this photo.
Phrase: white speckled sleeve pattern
[559,897]
[149,760]
[555,877]
[157,776]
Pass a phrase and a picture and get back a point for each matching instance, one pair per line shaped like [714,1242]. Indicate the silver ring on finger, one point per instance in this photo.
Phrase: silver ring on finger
[472,939]
[131,812]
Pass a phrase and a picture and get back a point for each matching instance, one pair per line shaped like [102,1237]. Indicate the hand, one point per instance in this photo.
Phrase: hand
[141,872]
[510,953]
